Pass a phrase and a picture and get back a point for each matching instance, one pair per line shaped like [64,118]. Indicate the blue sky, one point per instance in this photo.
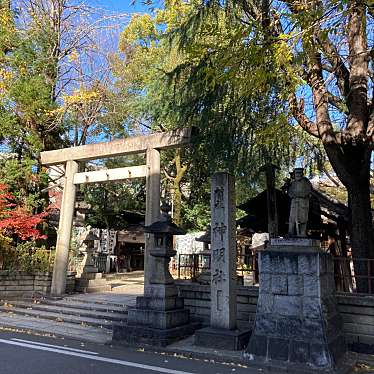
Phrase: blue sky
[120,5]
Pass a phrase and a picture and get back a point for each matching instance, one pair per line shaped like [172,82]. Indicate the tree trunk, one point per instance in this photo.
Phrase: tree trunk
[362,238]
[180,172]
[352,165]
[177,214]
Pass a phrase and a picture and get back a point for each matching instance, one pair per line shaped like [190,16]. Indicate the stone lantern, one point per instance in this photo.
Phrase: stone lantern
[89,241]
[162,251]
[159,317]
[91,280]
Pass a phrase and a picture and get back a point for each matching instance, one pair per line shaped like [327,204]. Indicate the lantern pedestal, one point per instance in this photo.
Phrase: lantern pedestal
[91,280]
[159,317]
[140,334]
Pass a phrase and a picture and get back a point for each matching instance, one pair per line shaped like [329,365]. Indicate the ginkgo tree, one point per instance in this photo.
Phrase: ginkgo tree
[326,65]
[170,86]
[320,53]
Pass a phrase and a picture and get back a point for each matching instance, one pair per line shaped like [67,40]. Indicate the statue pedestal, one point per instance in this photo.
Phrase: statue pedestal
[297,322]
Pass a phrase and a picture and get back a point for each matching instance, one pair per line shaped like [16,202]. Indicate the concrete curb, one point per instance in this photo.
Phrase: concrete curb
[238,359]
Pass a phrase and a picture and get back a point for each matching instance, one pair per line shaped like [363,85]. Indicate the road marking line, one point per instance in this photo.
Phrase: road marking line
[54,346]
[96,358]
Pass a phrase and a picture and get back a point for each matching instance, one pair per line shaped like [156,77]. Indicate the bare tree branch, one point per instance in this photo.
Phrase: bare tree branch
[320,98]
[297,109]
[339,68]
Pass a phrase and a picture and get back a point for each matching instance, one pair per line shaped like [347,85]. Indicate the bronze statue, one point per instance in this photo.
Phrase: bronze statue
[299,192]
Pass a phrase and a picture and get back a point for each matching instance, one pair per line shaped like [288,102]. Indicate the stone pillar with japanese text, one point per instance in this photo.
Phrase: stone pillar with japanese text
[222,332]
[223,253]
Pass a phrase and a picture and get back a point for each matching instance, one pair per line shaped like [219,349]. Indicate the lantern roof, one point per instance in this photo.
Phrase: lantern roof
[206,237]
[167,227]
[90,237]
[165,224]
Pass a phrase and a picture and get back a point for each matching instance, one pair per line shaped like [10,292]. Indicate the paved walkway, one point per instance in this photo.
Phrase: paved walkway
[125,288]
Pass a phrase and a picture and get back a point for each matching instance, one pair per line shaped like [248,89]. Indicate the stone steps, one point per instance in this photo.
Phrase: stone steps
[97,302]
[97,306]
[45,327]
[59,317]
[69,311]
[72,309]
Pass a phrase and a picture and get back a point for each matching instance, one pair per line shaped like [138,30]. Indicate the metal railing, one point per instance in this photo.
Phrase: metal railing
[194,265]
[354,275]
[190,266]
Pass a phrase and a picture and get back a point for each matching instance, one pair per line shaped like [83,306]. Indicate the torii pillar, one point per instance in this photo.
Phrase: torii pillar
[64,230]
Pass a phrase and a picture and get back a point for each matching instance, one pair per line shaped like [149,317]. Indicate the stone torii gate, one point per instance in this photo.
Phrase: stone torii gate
[151,145]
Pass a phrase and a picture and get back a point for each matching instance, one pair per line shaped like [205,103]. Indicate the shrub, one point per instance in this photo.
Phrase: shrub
[26,257]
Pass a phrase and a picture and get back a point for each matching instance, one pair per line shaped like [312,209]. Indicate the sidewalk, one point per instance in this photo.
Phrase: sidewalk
[353,363]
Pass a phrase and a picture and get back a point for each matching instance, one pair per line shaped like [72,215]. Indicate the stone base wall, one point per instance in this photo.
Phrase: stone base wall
[357,312]
[197,300]
[358,318]
[24,285]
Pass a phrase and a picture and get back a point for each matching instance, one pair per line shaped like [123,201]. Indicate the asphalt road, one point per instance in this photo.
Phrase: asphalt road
[28,354]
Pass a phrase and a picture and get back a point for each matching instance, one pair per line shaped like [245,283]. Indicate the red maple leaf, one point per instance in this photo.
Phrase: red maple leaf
[16,220]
